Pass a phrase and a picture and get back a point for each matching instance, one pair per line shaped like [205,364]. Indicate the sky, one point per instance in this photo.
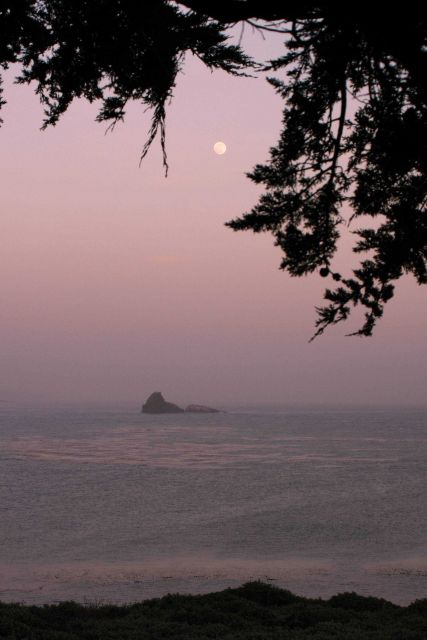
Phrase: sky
[117,282]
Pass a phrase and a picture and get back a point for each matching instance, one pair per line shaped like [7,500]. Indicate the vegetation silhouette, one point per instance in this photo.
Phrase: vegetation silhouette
[253,611]
[354,137]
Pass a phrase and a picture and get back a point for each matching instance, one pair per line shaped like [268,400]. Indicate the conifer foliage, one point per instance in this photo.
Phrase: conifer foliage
[353,148]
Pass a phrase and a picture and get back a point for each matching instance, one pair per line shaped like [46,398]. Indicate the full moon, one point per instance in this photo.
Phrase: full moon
[220,148]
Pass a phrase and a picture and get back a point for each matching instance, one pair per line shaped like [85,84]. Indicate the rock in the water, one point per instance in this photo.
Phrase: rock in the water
[157,404]
[199,408]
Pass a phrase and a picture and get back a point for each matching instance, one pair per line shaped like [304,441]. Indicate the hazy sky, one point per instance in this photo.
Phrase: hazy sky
[116,282]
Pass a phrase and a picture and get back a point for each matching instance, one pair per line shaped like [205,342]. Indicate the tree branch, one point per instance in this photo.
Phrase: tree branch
[235,10]
[340,132]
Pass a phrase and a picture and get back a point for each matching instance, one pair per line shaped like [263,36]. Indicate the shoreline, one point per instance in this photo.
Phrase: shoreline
[122,582]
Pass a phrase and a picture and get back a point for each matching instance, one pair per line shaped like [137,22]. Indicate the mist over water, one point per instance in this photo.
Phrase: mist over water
[118,506]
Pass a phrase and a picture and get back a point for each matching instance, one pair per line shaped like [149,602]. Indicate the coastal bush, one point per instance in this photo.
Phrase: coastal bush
[266,594]
[358,603]
[254,611]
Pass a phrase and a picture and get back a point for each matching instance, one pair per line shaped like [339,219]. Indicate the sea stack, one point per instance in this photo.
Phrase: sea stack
[157,404]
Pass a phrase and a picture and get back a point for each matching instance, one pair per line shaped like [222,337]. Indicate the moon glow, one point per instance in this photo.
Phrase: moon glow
[220,148]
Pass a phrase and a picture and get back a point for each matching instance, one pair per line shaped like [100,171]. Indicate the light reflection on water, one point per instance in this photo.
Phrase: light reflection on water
[157,448]
[119,506]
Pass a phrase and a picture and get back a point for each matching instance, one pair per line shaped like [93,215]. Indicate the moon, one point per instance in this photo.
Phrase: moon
[220,148]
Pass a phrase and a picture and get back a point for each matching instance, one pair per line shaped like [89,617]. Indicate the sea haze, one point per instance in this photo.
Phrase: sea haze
[112,505]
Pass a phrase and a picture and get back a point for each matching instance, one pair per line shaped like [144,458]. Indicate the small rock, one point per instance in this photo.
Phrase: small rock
[199,408]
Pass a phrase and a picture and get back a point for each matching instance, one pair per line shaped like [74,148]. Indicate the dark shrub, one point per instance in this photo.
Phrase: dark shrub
[355,602]
[419,606]
[265,594]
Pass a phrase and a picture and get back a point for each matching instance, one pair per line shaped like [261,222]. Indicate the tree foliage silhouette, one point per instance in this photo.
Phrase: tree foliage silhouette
[354,135]
[111,51]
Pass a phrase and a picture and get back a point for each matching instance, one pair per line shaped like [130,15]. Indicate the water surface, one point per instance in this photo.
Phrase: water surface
[112,505]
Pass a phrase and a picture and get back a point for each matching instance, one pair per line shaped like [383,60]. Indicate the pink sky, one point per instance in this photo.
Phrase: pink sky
[116,282]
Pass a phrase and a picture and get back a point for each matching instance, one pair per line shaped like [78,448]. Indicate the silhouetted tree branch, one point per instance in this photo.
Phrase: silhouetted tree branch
[371,158]
[374,161]
[110,51]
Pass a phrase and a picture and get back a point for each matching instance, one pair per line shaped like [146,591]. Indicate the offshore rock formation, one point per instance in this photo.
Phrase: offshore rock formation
[199,408]
[157,404]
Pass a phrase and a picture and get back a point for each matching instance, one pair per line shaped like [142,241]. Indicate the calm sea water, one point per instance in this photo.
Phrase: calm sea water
[117,506]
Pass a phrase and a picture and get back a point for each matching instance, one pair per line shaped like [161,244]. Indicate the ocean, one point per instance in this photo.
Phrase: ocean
[109,505]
